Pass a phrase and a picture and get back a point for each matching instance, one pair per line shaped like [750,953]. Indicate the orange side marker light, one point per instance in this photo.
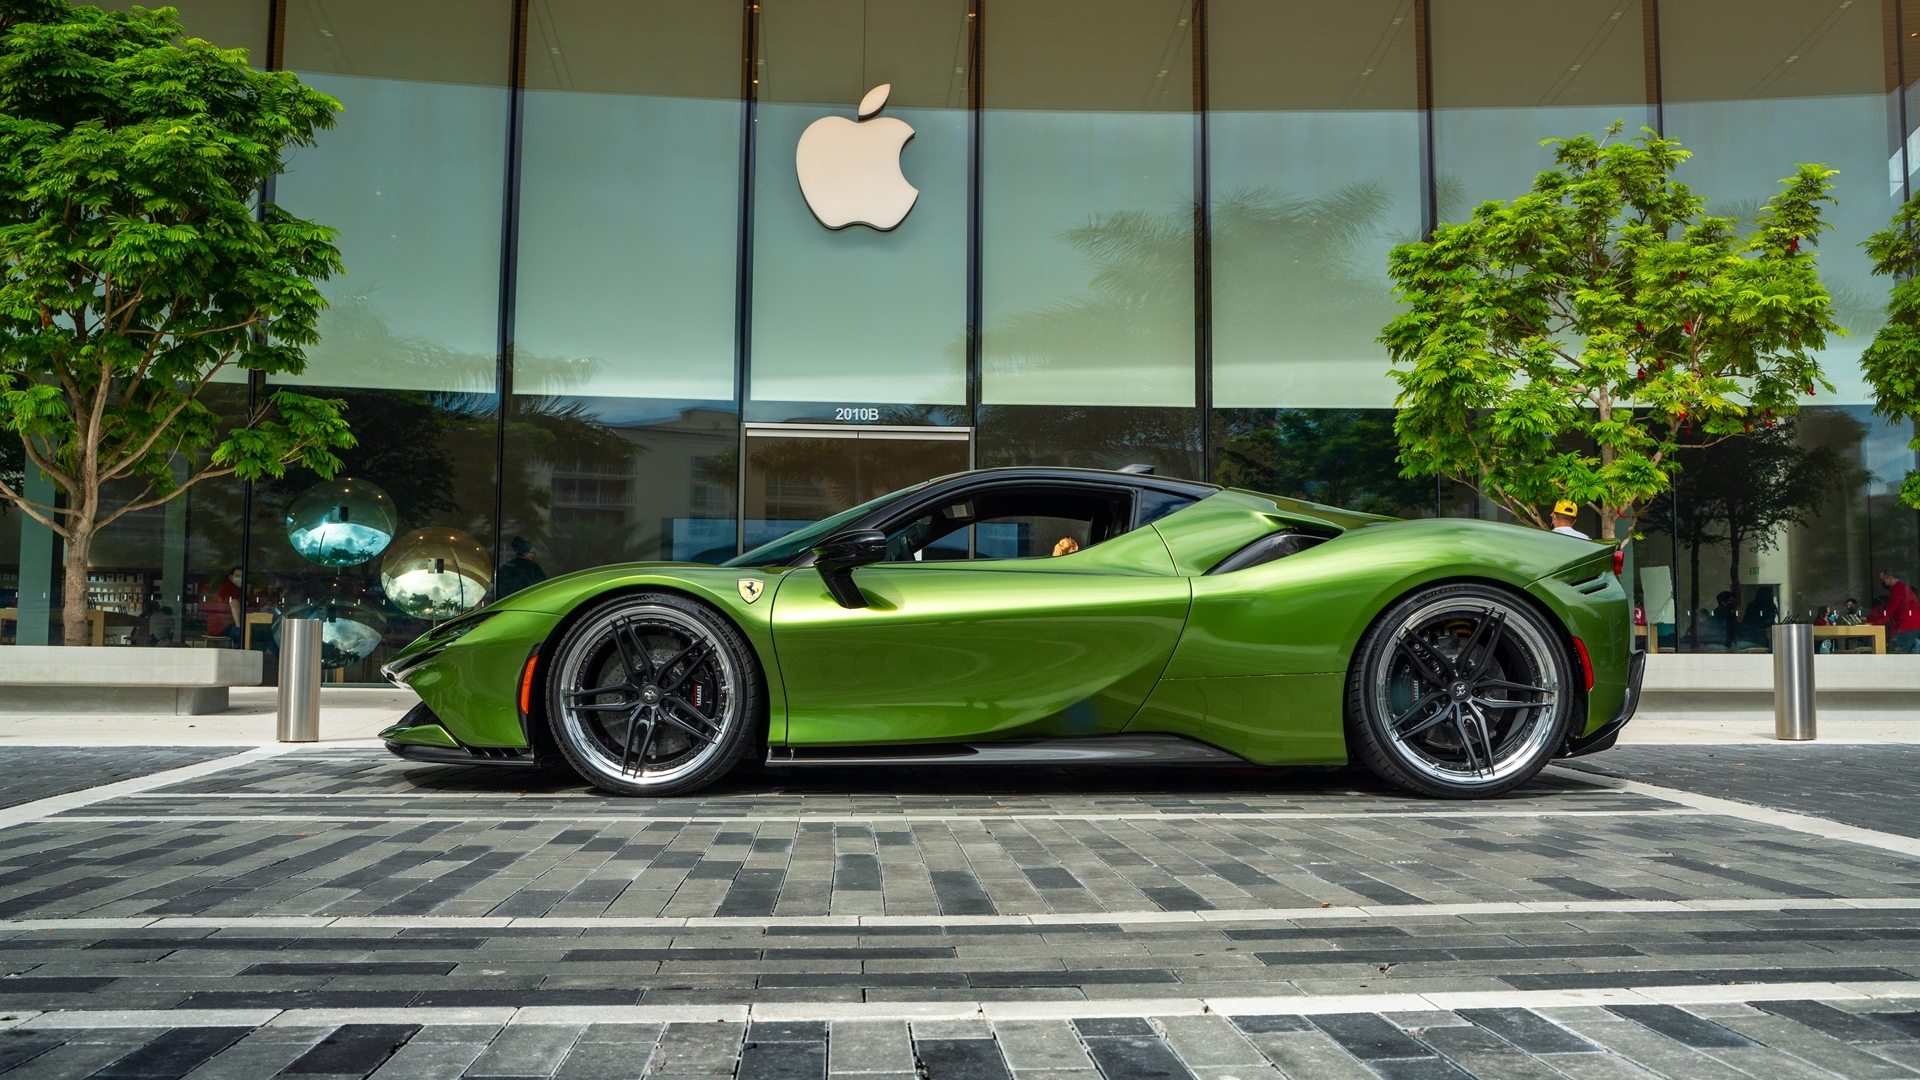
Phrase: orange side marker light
[526,684]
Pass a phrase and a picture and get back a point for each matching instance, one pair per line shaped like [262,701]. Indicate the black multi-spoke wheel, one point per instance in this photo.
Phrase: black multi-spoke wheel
[1460,691]
[653,695]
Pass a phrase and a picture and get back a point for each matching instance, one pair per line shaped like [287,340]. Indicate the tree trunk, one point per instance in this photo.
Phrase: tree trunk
[1609,516]
[73,611]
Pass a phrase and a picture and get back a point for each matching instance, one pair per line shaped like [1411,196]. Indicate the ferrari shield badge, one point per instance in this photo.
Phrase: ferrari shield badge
[751,588]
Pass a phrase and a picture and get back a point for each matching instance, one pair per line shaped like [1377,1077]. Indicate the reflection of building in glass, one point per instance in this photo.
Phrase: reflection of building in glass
[689,352]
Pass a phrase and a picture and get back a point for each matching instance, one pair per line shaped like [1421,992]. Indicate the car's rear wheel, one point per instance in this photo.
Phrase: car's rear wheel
[1460,691]
[653,694]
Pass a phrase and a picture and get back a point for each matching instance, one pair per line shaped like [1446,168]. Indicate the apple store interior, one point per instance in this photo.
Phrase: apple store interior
[621,283]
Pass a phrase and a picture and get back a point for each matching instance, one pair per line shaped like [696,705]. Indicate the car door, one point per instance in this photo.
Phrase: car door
[974,628]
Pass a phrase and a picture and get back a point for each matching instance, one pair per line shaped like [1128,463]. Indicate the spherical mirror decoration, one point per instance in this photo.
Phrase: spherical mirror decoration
[341,522]
[349,629]
[436,573]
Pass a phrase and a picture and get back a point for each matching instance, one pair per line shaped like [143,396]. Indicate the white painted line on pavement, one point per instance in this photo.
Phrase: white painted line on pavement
[1762,815]
[1038,921]
[74,800]
[1294,1005]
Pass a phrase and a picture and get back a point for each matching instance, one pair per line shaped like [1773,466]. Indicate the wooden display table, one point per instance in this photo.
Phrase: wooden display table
[1877,633]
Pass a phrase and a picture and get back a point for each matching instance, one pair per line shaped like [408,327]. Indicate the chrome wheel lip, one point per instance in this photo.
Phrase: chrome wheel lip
[1519,757]
[587,743]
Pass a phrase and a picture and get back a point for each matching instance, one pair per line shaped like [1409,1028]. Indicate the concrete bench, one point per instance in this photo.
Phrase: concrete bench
[1739,686]
[176,682]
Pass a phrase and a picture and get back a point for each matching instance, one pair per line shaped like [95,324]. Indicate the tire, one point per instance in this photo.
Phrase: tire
[684,724]
[1460,692]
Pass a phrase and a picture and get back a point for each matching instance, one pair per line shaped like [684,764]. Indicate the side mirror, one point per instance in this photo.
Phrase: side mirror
[840,555]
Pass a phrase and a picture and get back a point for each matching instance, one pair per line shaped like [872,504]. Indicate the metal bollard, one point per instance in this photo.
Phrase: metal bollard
[1793,682]
[299,680]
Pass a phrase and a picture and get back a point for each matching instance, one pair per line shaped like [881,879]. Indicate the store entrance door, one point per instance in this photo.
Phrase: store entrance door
[800,473]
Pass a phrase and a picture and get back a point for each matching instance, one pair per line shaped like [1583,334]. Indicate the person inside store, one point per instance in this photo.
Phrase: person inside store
[162,628]
[1850,613]
[1901,615]
[1724,622]
[1756,626]
[519,572]
[1564,513]
[223,610]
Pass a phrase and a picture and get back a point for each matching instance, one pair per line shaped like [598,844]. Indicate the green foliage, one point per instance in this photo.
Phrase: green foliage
[1892,362]
[1569,342]
[140,261]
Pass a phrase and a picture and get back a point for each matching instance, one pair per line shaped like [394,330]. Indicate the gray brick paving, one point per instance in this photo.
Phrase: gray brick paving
[40,772]
[359,834]
[1872,786]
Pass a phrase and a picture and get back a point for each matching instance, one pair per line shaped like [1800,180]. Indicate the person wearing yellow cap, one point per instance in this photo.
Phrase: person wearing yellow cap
[1564,512]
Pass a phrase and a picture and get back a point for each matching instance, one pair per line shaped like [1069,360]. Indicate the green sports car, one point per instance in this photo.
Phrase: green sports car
[1052,615]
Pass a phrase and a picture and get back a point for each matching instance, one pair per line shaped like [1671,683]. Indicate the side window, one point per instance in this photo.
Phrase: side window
[1014,522]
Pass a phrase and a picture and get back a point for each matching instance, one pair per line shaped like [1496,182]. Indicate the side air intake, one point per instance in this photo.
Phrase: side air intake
[1268,548]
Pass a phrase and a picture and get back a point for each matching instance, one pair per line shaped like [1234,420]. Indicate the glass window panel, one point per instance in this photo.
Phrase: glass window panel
[623,439]
[1087,188]
[1811,78]
[592,481]
[412,178]
[433,455]
[856,316]
[1341,457]
[796,477]
[1509,73]
[1315,141]
[629,204]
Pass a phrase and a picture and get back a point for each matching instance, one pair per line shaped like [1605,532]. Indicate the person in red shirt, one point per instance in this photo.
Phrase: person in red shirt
[1902,615]
[223,611]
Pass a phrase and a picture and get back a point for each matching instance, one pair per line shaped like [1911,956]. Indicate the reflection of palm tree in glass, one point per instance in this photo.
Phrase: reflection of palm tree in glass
[1289,280]
[1292,277]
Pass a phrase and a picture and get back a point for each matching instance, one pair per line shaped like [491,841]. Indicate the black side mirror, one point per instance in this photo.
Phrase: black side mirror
[839,555]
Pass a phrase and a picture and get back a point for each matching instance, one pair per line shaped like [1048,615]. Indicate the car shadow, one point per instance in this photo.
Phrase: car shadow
[1211,783]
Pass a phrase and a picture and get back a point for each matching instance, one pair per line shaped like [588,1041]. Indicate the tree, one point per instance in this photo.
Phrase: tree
[1743,492]
[1892,362]
[142,261]
[1567,343]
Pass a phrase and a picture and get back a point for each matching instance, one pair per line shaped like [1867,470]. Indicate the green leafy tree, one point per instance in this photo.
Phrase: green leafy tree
[141,262]
[1892,362]
[1569,342]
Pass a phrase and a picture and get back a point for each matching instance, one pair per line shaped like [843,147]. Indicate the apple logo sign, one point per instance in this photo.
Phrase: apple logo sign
[850,169]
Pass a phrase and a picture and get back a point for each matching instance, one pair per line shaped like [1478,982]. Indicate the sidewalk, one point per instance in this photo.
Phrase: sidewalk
[349,716]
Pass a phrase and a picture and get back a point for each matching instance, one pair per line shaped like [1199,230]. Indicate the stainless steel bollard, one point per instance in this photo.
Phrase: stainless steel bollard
[299,680]
[1793,682]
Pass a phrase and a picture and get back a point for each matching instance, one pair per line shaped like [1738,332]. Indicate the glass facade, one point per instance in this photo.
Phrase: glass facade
[594,309]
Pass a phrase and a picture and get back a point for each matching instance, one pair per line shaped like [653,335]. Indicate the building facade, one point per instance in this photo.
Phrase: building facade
[589,307]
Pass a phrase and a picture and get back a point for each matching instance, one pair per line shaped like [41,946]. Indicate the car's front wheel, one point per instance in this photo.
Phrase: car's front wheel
[1460,691]
[653,694]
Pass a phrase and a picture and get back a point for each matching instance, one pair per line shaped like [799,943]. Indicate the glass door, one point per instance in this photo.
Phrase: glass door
[799,473]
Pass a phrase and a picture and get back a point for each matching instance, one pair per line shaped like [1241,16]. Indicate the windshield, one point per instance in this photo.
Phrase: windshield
[801,540]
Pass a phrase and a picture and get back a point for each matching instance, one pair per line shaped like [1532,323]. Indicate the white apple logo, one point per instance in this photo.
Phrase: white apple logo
[850,169]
